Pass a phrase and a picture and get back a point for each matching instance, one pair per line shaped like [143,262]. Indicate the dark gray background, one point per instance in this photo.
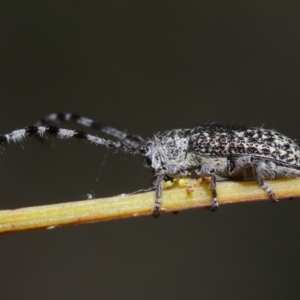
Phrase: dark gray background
[145,66]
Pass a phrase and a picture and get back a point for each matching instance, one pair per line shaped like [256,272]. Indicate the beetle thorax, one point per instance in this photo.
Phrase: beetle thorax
[170,148]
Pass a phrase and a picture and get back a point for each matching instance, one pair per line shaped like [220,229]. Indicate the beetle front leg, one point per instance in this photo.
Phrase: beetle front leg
[167,170]
[158,192]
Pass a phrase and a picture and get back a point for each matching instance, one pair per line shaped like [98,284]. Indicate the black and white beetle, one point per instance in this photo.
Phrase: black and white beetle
[220,152]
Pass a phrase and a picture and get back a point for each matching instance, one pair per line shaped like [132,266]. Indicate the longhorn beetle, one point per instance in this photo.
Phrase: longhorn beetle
[220,152]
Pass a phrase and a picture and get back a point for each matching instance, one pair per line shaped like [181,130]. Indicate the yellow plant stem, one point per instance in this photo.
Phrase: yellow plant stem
[182,195]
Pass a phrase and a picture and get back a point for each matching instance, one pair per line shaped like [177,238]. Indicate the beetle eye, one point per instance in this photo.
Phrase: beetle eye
[144,150]
[147,150]
[147,153]
[148,160]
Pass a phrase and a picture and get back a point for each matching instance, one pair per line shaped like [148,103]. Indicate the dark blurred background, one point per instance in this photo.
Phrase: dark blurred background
[145,66]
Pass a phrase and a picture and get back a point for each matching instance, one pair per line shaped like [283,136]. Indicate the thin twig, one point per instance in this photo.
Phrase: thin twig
[119,207]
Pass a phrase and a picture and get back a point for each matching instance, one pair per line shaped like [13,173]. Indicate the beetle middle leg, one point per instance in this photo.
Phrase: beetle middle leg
[209,170]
